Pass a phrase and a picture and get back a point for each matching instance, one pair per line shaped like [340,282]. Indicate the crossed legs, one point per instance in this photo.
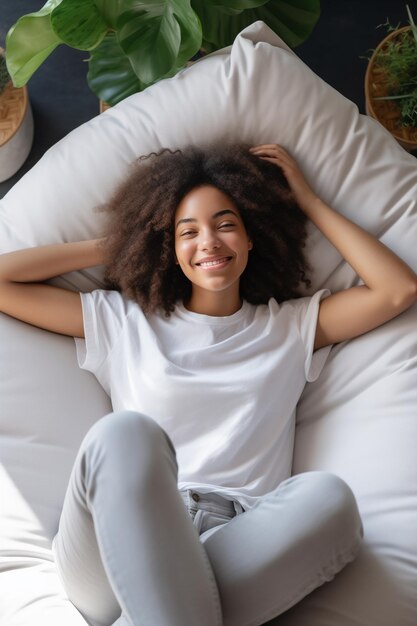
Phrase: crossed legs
[128,554]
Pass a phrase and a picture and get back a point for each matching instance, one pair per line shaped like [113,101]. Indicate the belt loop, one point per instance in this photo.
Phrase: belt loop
[187,493]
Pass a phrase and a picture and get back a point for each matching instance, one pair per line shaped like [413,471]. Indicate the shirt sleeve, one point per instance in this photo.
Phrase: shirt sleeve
[306,314]
[104,316]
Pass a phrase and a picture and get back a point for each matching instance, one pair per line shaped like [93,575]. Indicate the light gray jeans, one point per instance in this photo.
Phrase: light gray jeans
[132,550]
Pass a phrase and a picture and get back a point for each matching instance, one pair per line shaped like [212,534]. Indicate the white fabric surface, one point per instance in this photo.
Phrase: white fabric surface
[223,388]
[358,419]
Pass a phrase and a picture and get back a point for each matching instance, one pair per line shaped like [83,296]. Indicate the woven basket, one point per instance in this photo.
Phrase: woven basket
[16,129]
[13,105]
[104,106]
[386,111]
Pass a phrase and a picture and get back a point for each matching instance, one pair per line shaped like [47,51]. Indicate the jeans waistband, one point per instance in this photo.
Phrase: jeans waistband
[191,496]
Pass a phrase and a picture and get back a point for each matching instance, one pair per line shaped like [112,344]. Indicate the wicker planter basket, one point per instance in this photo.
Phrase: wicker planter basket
[386,111]
[103,106]
[16,129]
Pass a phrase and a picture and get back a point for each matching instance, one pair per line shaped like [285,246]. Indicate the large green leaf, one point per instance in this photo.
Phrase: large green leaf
[292,20]
[147,26]
[110,75]
[29,42]
[191,31]
[79,24]
[236,5]
[109,10]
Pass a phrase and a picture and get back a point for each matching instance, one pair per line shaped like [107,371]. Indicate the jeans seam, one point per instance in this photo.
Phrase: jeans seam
[214,587]
[193,510]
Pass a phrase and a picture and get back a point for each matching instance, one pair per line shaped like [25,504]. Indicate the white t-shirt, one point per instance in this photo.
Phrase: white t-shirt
[224,389]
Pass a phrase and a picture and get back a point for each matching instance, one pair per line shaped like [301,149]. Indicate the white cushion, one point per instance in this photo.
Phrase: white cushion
[357,420]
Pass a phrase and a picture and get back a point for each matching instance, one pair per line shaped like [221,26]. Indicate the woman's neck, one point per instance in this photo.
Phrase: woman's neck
[215,304]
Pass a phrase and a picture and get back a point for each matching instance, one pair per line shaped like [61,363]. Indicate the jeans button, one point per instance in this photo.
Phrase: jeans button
[195,497]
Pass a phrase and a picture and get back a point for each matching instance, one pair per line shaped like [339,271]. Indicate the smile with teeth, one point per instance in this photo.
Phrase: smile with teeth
[222,261]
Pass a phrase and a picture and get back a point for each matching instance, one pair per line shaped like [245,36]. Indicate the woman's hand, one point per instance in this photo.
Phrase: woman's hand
[298,184]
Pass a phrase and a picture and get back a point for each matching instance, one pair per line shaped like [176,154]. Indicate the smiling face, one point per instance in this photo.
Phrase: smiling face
[208,227]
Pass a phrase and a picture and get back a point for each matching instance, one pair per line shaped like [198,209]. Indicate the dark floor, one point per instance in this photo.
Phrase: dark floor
[61,99]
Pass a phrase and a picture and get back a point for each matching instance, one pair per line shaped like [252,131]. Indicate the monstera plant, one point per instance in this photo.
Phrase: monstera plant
[135,43]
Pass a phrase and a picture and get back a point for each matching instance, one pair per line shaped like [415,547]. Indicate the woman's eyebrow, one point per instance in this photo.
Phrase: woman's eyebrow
[218,214]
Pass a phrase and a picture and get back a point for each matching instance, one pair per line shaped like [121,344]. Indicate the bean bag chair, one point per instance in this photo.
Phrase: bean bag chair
[357,420]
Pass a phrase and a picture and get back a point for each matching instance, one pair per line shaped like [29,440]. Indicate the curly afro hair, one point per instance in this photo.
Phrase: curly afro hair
[139,238]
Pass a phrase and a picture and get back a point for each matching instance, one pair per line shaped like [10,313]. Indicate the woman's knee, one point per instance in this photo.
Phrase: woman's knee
[128,452]
[334,504]
[129,432]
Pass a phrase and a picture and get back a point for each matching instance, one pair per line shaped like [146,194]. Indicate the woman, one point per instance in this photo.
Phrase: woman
[180,508]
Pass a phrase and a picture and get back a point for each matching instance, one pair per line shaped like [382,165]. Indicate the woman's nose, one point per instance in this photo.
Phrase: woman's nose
[209,239]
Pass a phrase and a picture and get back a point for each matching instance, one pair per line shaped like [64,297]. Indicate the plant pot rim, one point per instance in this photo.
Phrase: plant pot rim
[408,144]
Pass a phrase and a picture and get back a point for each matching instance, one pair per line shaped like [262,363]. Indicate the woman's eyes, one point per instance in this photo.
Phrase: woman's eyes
[190,232]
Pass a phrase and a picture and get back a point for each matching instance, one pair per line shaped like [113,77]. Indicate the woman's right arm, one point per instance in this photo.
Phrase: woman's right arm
[52,308]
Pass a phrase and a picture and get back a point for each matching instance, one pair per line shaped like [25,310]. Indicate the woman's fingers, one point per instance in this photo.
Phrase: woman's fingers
[276,154]
[270,146]
[280,157]
[274,151]
[267,145]
[271,150]
[268,159]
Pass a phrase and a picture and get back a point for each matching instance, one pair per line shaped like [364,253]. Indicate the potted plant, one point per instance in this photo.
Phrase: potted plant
[133,45]
[16,123]
[391,83]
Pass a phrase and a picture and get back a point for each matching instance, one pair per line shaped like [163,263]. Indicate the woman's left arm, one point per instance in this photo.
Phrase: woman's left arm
[390,284]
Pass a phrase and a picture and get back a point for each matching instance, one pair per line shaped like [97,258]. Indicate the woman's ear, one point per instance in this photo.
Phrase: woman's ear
[250,245]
